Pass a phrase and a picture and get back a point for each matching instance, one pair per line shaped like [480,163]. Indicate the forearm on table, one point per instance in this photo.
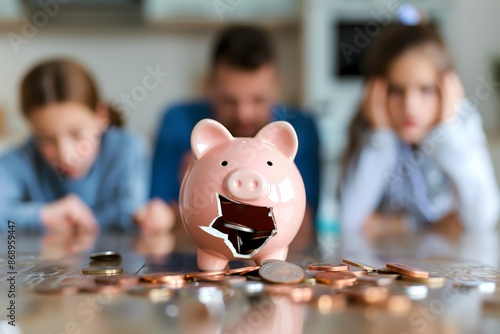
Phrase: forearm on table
[367,181]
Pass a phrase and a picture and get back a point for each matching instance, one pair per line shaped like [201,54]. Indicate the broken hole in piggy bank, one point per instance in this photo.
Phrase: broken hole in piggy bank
[245,227]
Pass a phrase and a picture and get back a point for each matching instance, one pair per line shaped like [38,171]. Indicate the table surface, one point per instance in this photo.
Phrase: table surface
[209,309]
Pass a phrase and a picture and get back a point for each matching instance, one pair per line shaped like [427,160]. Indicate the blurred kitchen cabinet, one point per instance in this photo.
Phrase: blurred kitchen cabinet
[10,11]
[215,13]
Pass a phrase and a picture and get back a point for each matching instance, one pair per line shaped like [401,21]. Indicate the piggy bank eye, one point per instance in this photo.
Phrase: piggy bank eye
[224,163]
[269,163]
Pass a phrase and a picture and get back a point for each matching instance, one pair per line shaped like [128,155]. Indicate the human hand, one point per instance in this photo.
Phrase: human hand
[156,217]
[68,215]
[452,93]
[375,104]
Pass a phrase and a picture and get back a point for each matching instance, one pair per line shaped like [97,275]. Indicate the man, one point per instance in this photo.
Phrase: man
[242,90]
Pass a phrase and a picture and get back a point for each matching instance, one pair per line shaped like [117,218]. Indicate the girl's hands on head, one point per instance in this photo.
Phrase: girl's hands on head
[156,217]
[69,215]
[452,93]
[375,104]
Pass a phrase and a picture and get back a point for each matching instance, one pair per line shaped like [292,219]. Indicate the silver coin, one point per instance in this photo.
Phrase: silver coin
[238,227]
[281,272]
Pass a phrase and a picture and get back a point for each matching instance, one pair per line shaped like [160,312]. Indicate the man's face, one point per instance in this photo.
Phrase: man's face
[243,99]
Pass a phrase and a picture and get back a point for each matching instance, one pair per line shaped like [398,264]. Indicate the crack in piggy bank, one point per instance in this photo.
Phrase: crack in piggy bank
[245,228]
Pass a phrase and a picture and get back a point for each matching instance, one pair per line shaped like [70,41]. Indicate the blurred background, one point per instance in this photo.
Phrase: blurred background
[320,46]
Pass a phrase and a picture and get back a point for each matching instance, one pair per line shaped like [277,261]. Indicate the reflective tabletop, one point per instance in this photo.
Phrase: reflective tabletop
[251,306]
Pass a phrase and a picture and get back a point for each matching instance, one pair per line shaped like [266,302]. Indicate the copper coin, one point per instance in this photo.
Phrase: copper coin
[158,278]
[386,271]
[359,265]
[281,272]
[242,270]
[328,266]
[335,278]
[358,272]
[213,278]
[407,270]
[205,273]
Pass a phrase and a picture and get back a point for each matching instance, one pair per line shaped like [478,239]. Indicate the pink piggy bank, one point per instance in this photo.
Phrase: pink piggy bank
[242,198]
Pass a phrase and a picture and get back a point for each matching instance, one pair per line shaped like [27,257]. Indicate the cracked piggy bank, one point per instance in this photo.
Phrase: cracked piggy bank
[242,198]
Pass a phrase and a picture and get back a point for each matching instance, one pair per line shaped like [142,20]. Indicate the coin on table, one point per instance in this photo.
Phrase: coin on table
[386,271]
[335,277]
[359,265]
[407,270]
[105,256]
[195,275]
[328,266]
[281,272]
[102,270]
[242,270]
[165,277]
[358,271]
[238,227]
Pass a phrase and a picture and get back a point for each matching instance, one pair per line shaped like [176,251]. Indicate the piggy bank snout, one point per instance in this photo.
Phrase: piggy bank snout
[247,184]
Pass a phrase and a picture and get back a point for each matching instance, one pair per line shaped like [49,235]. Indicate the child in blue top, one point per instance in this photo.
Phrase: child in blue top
[78,171]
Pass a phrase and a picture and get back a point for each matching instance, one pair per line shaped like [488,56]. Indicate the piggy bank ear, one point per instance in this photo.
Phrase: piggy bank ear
[207,134]
[282,135]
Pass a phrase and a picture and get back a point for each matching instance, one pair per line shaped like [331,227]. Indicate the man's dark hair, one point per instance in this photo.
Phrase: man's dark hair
[243,47]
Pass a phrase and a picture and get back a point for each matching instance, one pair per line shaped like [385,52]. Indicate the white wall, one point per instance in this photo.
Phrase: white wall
[118,58]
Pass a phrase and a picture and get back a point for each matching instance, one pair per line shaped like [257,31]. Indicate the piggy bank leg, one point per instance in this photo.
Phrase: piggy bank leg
[211,261]
[278,254]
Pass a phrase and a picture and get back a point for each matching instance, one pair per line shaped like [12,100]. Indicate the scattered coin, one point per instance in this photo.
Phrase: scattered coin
[105,256]
[159,278]
[328,267]
[201,274]
[336,278]
[102,270]
[407,270]
[242,270]
[386,271]
[359,265]
[358,271]
[281,272]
